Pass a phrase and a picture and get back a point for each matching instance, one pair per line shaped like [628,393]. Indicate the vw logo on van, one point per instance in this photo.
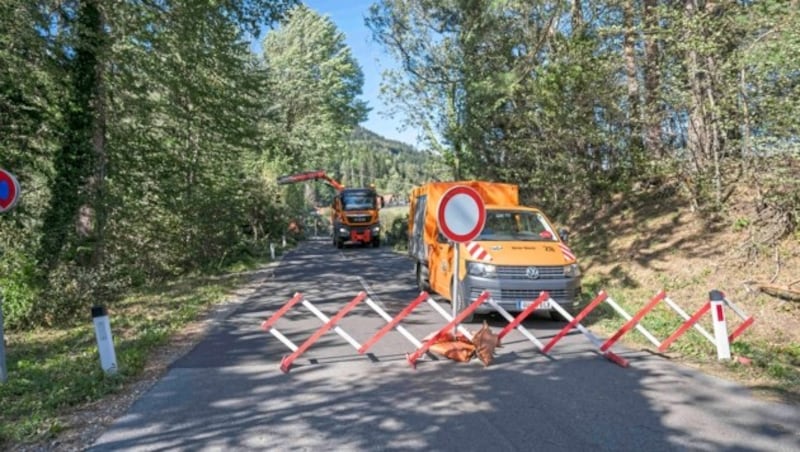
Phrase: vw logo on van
[532,272]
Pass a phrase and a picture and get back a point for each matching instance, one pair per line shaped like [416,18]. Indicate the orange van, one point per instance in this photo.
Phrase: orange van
[517,255]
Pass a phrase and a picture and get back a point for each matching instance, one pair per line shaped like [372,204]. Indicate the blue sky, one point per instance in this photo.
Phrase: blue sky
[348,15]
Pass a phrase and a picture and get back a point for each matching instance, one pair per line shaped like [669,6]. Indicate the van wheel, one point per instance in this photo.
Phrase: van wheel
[555,316]
[423,283]
[461,304]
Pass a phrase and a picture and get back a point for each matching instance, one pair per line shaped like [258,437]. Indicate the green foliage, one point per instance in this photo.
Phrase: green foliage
[138,151]
[741,223]
[395,227]
[314,82]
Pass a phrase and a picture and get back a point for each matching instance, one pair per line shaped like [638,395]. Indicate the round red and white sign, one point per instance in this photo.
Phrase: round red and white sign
[9,190]
[461,214]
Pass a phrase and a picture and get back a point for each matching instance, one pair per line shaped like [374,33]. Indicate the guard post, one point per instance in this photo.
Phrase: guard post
[717,300]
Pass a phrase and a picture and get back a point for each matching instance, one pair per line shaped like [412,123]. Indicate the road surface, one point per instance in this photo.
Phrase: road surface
[228,393]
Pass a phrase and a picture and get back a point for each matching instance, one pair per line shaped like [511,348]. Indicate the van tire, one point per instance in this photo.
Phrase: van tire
[556,317]
[423,281]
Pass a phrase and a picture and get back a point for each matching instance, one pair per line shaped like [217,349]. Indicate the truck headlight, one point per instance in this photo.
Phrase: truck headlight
[343,230]
[572,271]
[376,229]
[480,269]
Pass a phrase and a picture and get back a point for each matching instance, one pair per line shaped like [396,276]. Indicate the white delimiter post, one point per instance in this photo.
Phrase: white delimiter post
[717,299]
[3,370]
[105,343]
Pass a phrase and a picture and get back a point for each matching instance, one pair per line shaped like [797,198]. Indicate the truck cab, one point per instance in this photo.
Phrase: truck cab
[355,217]
[517,255]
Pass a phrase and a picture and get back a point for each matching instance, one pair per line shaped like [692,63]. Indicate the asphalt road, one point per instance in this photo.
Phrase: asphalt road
[228,393]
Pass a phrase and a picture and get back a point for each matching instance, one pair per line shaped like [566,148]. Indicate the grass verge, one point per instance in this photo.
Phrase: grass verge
[54,371]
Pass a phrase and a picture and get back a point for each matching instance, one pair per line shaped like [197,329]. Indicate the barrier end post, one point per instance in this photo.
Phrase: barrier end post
[286,365]
[616,359]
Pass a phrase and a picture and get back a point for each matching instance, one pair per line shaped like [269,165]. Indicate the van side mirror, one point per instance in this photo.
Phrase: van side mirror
[564,234]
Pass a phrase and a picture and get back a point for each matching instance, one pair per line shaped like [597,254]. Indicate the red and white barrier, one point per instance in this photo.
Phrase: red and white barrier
[746,320]
[268,325]
[393,323]
[412,358]
[328,324]
[628,318]
[633,320]
[691,321]
[574,322]
[516,322]
[716,304]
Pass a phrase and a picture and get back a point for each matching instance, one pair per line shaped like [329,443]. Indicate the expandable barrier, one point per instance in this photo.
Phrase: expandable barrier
[328,323]
[575,322]
[716,304]
[392,323]
[721,340]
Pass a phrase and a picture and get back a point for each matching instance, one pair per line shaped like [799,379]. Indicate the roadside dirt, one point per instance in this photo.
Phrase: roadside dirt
[655,241]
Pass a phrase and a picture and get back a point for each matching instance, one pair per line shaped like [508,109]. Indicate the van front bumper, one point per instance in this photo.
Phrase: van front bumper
[514,295]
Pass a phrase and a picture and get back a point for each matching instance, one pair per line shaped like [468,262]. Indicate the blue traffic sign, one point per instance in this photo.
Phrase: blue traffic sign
[9,190]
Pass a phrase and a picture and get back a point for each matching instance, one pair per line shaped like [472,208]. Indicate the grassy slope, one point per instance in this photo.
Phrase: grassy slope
[638,245]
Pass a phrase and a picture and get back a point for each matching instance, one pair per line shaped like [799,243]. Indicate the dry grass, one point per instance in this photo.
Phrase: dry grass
[638,245]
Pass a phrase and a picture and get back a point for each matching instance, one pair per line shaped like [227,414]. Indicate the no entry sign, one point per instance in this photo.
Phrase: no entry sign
[9,190]
[461,214]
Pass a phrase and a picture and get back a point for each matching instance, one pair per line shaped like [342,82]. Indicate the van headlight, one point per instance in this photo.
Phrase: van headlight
[572,271]
[482,270]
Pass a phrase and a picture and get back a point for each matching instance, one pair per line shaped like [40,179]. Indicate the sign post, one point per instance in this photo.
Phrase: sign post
[461,215]
[9,194]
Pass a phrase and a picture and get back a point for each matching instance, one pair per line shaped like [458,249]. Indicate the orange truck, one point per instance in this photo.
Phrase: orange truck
[516,256]
[355,211]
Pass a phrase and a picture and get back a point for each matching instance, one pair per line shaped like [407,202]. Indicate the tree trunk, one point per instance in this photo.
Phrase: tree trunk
[97,182]
[632,81]
[77,189]
[652,82]
[576,14]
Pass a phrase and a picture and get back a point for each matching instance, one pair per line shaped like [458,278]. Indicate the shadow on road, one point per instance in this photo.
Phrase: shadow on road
[228,394]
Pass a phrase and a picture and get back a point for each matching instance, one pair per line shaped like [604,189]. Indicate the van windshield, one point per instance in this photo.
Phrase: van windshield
[517,225]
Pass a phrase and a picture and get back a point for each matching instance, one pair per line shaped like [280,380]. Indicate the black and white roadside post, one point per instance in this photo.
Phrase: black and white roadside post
[9,194]
[105,343]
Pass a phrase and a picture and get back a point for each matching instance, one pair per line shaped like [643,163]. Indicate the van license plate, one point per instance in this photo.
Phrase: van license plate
[521,305]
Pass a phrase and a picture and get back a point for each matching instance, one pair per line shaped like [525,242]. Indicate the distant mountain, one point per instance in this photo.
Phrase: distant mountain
[394,167]
[360,134]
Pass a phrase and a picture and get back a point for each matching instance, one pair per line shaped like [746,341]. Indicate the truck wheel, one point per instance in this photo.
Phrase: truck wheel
[339,243]
[376,242]
[423,282]
[461,304]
